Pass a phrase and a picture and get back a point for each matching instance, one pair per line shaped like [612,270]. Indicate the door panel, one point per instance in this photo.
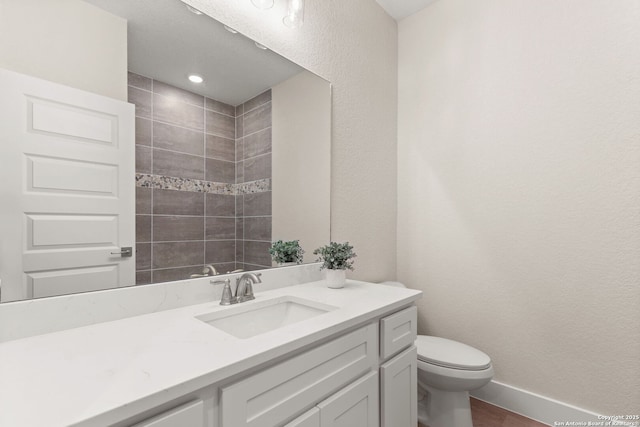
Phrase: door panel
[67,186]
[69,121]
[51,283]
[57,231]
[81,178]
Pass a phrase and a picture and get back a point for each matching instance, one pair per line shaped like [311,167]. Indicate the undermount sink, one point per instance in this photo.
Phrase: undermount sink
[258,317]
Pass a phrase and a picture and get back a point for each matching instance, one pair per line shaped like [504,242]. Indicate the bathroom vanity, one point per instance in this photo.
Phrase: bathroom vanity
[301,355]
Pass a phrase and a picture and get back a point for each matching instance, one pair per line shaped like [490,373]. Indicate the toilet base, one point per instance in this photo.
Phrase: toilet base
[445,408]
[423,417]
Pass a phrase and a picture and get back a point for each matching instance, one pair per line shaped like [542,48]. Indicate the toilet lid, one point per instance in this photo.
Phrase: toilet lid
[451,354]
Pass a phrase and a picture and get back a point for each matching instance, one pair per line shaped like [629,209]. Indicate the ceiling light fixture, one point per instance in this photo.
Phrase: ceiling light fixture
[295,11]
[295,14]
[194,78]
[193,10]
[260,46]
[263,4]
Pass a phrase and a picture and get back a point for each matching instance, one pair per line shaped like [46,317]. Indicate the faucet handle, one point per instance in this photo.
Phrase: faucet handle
[227,298]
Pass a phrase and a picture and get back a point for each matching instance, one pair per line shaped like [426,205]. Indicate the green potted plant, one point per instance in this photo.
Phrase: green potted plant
[287,252]
[337,258]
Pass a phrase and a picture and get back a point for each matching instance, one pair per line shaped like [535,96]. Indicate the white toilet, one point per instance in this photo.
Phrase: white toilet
[447,371]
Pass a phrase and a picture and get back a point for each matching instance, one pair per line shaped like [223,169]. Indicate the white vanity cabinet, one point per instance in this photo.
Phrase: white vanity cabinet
[369,376]
[353,366]
[363,378]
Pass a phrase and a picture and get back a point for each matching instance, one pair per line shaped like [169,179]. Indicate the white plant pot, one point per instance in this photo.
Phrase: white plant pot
[336,278]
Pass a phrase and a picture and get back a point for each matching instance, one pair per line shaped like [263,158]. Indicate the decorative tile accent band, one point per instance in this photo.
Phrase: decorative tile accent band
[259,186]
[161,182]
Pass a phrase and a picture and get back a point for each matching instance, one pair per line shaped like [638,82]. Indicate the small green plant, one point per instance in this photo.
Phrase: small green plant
[336,256]
[282,252]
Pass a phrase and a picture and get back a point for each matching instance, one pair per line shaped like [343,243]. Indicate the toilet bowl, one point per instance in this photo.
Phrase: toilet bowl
[447,371]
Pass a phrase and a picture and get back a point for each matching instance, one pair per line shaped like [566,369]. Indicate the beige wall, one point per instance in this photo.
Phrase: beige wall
[353,44]
[65,41]
[519,189]
[301,158]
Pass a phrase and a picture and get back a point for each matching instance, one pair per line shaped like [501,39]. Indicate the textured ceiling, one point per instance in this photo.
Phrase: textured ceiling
[400,9]
[167,42]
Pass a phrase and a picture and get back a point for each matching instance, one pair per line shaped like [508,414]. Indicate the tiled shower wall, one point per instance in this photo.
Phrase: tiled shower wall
[194,183]
[253,155]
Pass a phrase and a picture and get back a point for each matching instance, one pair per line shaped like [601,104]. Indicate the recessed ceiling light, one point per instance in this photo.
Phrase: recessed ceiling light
[193,10]
[194,78]
[231,30]
[261,46]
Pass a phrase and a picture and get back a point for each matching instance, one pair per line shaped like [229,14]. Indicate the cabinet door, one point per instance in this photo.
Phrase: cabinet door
[399,390]
[310,418]
[189,415]
[354,406]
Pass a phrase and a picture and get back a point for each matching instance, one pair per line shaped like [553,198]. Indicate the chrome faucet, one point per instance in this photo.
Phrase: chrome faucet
[208,270]
[244,286]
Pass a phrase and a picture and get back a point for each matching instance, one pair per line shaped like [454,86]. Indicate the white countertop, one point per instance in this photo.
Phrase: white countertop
[80,376]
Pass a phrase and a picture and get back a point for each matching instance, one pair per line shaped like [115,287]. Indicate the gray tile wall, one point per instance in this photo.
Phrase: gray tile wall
[185,135]
[253,162]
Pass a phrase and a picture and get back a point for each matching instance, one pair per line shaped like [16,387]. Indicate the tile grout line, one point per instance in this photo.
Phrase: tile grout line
[204,168]
[152,192]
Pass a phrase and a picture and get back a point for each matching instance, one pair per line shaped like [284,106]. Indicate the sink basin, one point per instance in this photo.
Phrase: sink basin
[258,317]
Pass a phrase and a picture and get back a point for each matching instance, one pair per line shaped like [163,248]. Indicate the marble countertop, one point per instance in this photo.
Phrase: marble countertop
[103,373]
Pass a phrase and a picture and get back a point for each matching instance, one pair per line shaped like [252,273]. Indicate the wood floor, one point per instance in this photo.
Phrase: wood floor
[486,415]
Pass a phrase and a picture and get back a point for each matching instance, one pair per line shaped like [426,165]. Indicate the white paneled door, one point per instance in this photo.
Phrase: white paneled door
[67,189]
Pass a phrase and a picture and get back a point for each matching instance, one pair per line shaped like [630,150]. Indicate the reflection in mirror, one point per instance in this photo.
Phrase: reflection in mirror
[222,167]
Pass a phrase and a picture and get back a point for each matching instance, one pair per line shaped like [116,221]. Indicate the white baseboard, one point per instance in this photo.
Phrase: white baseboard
[532,405]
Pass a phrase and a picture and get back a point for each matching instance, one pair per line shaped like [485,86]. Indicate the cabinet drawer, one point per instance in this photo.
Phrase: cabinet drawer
[276,394]
[188,415]
[398,331]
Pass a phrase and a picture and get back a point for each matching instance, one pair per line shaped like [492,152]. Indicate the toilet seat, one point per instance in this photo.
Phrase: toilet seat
[451,354]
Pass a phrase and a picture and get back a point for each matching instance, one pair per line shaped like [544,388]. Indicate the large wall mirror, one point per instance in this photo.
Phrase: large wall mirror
[222,168]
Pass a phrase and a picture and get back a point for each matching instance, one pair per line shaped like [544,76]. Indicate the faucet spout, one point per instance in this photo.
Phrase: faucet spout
[208,270]
[244,286]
